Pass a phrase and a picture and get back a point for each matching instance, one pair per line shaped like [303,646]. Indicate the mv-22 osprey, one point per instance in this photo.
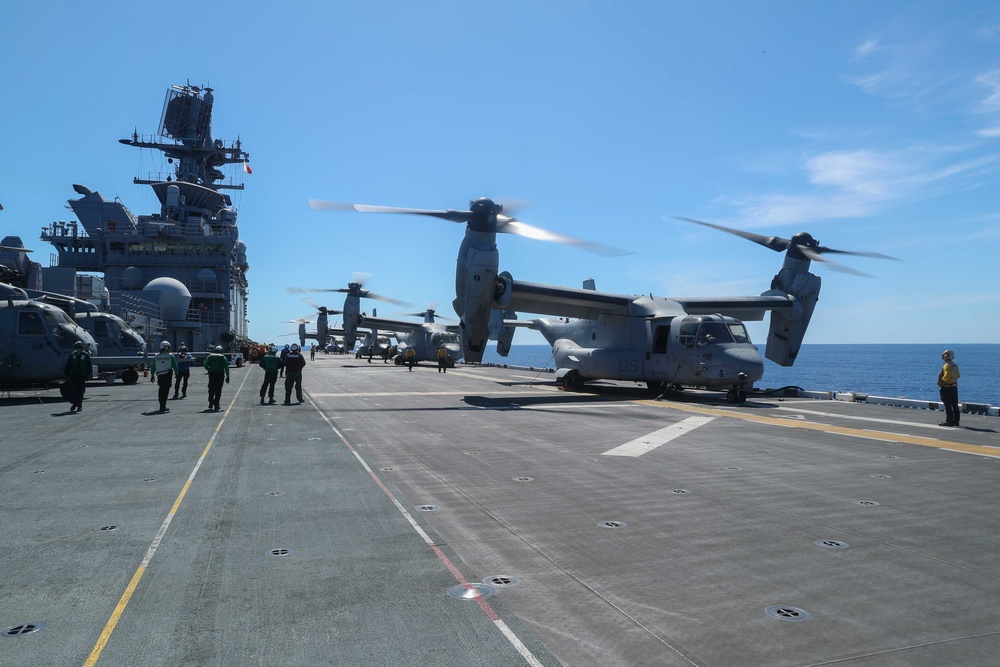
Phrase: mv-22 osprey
[352,311]
[664,342]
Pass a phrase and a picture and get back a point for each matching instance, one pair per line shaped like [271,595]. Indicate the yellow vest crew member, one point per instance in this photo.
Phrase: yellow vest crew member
[948,382]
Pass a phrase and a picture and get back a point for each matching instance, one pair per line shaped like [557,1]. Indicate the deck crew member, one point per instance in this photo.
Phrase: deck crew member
[294,363]
[184,359]
[948,382]
[281,367]
[411,357]
[270,364]
[218,372]
[164,367]
[442,357]
[78,369]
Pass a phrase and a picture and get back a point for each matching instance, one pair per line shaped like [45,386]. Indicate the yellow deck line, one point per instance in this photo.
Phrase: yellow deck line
[983,450]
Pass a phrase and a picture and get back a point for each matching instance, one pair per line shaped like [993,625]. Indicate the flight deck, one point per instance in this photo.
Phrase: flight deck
[485,517]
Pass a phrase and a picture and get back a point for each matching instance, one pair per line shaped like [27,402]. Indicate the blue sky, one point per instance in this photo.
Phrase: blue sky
[873,126]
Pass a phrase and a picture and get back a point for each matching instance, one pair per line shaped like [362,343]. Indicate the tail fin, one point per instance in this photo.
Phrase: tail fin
[504,335]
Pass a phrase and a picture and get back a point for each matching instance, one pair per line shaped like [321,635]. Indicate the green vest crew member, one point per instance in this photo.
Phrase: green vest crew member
[78,370]
[218,372]
[270,363]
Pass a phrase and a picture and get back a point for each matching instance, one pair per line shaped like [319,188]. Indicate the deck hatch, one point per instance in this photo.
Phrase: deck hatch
[501,580]
[785,613]
[23,629]
[832,544]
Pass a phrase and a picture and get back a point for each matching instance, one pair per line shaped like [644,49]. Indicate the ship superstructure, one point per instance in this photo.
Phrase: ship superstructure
[179,274]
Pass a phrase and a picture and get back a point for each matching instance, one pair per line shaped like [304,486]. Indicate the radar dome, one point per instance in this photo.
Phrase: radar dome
[132,278]
[175,299]
[206,276]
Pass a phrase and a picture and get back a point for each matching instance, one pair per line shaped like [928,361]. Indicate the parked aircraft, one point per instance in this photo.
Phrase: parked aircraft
[424,337]
[35,339]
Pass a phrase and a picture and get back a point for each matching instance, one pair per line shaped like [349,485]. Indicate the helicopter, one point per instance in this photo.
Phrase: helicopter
[119,346]
[671,343]
[478,292]
[35,339]
[656,340]
[371,341]
[329,339]
[352,308]
[424,337]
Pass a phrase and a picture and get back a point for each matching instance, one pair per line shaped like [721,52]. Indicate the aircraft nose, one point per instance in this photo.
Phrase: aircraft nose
[747,361]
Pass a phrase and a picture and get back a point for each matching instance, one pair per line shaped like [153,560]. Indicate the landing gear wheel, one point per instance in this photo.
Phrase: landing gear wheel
[736,396]
[657,388]
[572,381]
[130,376]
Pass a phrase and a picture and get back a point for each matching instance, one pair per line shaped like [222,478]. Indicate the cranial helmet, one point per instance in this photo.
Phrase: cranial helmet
[78,343]
[164,345]
[948,354]
[295,347]
[218,348]
[183,347]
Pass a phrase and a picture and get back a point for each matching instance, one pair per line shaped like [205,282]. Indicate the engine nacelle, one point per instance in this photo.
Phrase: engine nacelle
[321,326]
[352,317]
[475,287]
[784,337]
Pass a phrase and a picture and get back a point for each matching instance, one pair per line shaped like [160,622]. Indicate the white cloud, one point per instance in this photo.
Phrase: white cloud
[991,80]
[858,183]
[989,132]
[867,49]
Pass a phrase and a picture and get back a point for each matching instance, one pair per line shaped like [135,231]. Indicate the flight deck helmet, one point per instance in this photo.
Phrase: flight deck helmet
[295,347]
[164,346]
[947,355]
[78,344]
[218,348]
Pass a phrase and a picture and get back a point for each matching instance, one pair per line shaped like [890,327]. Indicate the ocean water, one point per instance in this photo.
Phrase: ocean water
[897,371]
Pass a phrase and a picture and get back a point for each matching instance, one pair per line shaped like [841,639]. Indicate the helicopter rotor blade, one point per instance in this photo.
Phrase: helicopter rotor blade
[309,290]
[508,225]
[775,243]
[453,216]
[396,302]
[484,215]
[814,254]
[802,243]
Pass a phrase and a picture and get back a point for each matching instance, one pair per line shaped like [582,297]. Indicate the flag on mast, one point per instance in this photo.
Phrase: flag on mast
[246,167]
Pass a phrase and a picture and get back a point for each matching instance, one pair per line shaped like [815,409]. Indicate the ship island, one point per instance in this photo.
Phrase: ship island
[179,274]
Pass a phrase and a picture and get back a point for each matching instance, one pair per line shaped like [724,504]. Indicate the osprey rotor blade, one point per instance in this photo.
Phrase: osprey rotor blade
[775,243]
[507,225]
[453,216]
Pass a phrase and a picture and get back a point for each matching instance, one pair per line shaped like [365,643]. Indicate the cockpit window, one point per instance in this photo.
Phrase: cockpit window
[29,323]
[688,333]
[713,333]
[739,332]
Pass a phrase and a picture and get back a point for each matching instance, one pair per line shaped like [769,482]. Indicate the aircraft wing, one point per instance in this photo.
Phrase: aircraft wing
[746,308]
[383,324]
[565,301]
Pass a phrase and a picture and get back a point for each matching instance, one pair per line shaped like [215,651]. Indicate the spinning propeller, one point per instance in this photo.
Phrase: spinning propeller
[800,246]
[484,215]
[354,288]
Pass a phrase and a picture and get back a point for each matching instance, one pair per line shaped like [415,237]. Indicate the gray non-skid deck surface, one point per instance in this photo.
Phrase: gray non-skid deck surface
[884,548]
[359,586]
